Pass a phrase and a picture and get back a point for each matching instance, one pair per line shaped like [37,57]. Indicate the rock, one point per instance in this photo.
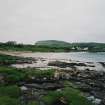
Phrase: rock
[103,102]
[45,86]
[91,98]
[23,88]
[102,63]
[59,90]
[84,87]
[96,101]
[2,77]
[65,64]
[67,76]
[56,75]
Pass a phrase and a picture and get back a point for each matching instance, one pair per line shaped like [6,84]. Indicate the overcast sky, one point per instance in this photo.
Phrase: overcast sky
[28,21]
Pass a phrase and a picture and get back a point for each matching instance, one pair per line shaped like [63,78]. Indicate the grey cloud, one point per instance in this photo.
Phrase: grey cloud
[69,20]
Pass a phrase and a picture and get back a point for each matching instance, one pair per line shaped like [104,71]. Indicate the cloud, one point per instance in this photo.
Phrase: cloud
[69,20]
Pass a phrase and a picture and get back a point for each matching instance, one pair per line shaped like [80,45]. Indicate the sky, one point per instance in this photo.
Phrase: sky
[27,21]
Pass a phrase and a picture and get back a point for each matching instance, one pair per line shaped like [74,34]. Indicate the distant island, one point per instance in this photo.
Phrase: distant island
[53,46]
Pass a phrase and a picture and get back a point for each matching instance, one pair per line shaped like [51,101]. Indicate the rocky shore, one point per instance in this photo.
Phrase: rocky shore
[88,77]
[91,83]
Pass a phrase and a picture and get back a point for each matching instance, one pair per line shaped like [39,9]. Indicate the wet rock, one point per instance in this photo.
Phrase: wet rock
[23,88]
[102,63]
[94,100]
[65,64]
[45,86]
[91,98]
[84,87]
[102,102]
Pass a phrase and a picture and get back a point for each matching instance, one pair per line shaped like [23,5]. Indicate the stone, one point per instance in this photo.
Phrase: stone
[91,98]
[23,88]
[97,101]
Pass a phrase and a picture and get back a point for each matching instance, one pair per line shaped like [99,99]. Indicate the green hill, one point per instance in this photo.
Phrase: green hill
[53,43]
[53,46]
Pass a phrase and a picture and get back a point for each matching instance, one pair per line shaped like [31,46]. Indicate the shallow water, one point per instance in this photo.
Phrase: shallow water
[78,56]
[44,58]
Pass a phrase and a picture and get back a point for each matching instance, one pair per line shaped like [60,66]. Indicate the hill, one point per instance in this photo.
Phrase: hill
[90,46]
[53,43]
[53,46]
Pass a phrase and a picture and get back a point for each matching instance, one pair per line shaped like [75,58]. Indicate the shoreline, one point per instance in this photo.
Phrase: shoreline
[89,81]
[43,62]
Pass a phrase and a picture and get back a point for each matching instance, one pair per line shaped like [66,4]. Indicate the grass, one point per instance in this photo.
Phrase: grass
[12,75]
[33,103]
[12,91]
[73,97]
[9,95]
[8,59]
[40,73]
[5,100]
